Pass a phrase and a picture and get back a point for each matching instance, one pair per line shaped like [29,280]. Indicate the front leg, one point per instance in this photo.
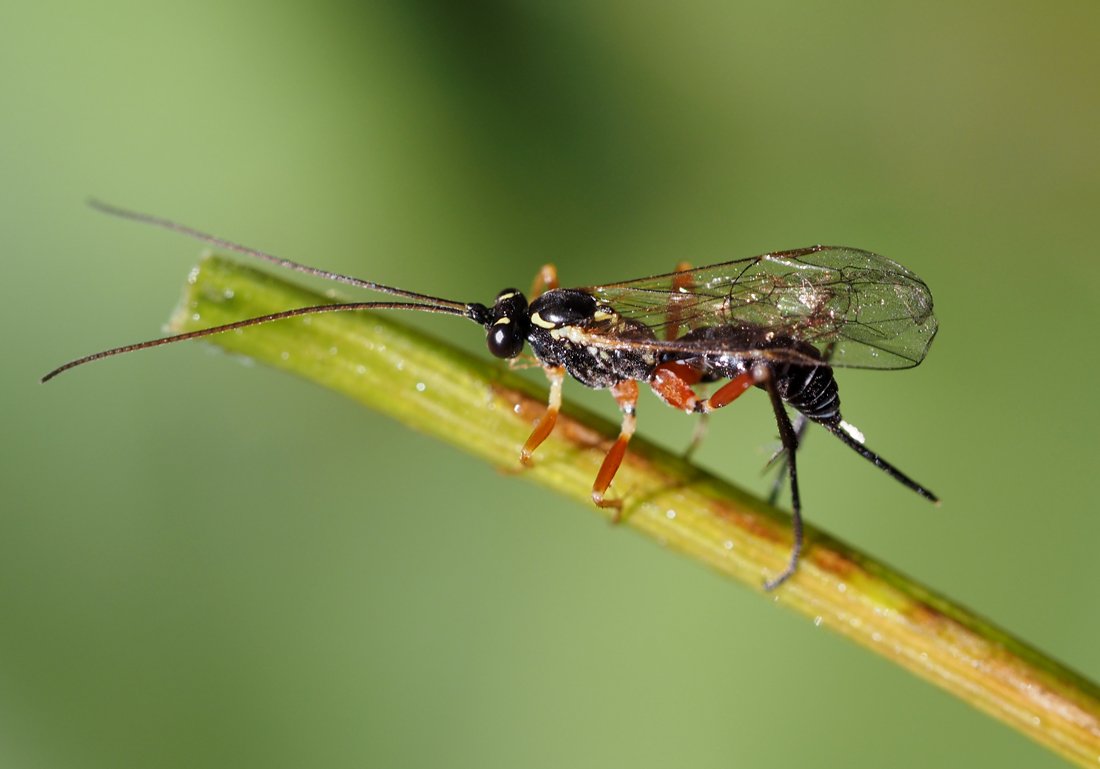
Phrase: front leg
[556,375]
[626,393]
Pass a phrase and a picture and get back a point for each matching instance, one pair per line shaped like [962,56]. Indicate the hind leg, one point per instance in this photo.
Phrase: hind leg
[673,383]
[789,437]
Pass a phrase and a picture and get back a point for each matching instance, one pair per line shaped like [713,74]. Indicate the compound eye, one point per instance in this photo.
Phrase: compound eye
[504,339]
[506,328]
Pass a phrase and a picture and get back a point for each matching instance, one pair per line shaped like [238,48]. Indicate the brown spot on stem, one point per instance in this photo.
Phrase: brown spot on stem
[531,409]
[833,562]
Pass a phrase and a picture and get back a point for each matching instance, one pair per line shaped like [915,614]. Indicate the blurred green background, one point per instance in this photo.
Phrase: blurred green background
[207,564]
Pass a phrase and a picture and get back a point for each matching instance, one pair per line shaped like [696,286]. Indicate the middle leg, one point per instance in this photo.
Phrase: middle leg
[682,285]
[545,280]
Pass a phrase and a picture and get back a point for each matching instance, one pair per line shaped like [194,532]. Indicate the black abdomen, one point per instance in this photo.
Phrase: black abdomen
[809,388]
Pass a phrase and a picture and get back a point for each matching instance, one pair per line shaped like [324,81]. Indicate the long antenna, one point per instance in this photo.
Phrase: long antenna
[219,242]
[425,302]
[314,310]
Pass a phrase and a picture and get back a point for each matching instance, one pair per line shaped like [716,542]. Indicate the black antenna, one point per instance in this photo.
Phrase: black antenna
[219,242]
[426,303]
[313,310]
[316,309]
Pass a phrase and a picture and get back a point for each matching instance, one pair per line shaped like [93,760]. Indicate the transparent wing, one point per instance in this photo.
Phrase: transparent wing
[871,311]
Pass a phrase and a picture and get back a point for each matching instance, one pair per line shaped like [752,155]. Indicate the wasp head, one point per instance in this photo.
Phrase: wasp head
[506,322]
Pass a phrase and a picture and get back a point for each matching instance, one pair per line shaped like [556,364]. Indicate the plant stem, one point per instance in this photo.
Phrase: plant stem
[489,412]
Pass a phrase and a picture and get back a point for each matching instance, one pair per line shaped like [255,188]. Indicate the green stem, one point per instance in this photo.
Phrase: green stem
[486,410]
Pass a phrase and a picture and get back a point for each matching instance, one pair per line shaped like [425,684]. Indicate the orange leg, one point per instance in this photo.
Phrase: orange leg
[681,285]
[546,280]
[681,290]
[730,391]
[672,382]
[549,418]
[626,393]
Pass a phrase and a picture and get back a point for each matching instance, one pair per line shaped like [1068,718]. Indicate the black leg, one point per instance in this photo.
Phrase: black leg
[800,425]
[789,438]
[697,435]
[779,458]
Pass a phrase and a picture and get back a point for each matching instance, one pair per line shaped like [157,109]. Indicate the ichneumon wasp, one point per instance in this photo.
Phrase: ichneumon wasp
[780,322]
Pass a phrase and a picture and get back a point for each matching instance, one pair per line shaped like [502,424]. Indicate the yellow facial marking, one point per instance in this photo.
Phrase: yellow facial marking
[502,321]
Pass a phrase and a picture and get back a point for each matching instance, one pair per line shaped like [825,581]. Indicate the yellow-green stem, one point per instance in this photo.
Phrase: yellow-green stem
[481,407]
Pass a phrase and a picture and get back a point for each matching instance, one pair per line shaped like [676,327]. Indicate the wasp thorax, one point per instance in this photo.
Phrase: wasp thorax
[507,324]
[562,307]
